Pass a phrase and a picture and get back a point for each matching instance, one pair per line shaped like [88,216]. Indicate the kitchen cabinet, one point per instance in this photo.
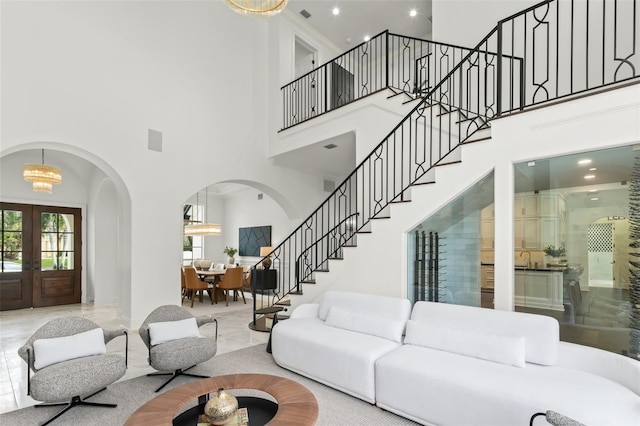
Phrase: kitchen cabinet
[539,221]
[487,228]
[526,205]
[540,289]
[526,233]
[487,277]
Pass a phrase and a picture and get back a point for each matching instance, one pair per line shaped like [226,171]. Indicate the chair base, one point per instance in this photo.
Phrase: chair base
[178,372]
[76,400]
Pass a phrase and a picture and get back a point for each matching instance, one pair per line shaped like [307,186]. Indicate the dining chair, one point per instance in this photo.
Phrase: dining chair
[232,281]
[246,280]
[194,285]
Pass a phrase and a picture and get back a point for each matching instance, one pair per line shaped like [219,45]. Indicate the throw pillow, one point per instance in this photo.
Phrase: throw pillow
[380,326]
[509,350]
[161,332]
[58,349]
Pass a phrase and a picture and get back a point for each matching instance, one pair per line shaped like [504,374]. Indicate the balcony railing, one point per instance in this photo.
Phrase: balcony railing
[386,61]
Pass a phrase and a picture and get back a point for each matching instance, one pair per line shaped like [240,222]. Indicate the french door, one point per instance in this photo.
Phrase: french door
[41,261]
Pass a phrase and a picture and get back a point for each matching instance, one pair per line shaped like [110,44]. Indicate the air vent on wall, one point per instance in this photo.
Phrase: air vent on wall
[329,185]
[304,13]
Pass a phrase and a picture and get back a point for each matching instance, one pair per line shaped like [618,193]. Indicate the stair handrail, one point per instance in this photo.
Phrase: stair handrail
[300,278]
[476,109]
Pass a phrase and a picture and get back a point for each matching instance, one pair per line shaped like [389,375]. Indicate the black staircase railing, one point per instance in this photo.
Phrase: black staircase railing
[388,60]
[329,246]
[481,86]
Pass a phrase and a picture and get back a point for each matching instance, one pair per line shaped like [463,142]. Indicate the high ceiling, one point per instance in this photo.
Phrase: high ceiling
[358,18]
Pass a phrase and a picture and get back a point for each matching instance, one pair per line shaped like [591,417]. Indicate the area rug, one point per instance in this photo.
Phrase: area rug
[335,407]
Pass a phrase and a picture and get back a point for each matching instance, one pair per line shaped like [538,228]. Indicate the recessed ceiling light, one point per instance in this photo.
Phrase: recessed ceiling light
[367,38]
[531,163]
[590,176]
[593,190]
[584,161]
[336,11]
[592,169]
[594,198]
[413,12]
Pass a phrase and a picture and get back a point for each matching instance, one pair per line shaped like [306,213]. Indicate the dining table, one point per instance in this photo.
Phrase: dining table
[217,275]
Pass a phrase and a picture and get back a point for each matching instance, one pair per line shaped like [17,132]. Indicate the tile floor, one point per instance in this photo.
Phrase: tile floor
[17,326]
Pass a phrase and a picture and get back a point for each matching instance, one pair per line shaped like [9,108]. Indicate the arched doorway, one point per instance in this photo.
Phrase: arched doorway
[92,199]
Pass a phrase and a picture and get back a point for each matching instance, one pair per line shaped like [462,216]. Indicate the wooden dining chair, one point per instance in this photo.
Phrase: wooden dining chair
[232,281]
[246,280]
[194,285]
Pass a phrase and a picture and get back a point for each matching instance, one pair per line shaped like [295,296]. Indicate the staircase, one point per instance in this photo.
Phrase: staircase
[525,61]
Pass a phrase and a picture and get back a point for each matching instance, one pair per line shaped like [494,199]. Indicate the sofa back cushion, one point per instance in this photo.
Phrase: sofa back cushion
[541,333]
[362,303]
[387,328]
[507,350]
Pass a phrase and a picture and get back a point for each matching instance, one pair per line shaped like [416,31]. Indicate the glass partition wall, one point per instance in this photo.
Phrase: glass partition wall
[450,254]
[572,245]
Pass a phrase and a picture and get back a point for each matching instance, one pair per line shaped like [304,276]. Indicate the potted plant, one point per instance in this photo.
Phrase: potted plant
[555,252]
[230,251]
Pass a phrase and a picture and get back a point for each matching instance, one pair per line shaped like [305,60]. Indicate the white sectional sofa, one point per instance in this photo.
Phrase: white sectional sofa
[338,341]
[456,365]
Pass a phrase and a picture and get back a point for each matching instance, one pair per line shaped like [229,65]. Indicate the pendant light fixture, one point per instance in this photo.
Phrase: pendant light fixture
[42,176]
[257,7]
[202,229]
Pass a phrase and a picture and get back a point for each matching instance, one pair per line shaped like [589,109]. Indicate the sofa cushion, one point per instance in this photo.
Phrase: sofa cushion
[372,304]
[59,349]
[442,388]
[166,331]
[507,350]
[542,333]
[339,358]
[387,328]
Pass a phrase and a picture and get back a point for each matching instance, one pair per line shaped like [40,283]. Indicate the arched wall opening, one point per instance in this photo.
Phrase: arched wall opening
[91,184]
[236,204]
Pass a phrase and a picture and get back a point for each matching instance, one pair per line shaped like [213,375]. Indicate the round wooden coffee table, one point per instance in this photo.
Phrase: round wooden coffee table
[296,404]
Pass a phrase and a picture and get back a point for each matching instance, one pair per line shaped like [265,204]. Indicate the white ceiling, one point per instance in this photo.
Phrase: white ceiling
[358,18]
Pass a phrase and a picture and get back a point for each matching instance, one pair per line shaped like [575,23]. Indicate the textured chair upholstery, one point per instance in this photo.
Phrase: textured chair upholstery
[68,382]
[177,356]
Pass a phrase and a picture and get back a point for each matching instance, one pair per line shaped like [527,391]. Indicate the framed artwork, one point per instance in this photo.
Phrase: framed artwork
[251,239]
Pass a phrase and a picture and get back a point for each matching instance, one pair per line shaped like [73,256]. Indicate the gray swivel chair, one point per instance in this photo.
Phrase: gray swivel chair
[555,419]
[70,382]
[175,357]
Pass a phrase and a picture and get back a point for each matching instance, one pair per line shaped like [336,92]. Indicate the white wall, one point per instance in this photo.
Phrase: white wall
[90,78]
[244,209]
[378,265]
[105,280]
[466,22]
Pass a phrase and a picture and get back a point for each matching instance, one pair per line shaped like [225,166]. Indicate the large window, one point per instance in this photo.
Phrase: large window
[572,245]
[192,246]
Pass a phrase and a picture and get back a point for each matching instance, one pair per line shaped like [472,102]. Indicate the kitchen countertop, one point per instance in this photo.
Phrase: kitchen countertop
[533,269]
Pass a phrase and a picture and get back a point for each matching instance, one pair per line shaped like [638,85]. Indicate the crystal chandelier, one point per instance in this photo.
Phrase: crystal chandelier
[42,176]
[257,7]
